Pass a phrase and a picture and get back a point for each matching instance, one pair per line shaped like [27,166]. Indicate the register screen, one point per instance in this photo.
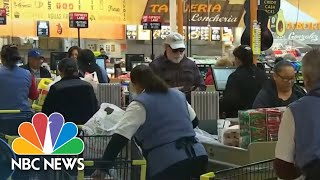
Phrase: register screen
[221,76]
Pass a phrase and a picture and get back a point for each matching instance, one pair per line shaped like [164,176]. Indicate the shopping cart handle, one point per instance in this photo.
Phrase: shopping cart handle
[207,176]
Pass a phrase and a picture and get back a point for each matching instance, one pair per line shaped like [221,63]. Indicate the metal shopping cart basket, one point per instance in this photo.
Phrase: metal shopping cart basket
[256,171]
[129,164]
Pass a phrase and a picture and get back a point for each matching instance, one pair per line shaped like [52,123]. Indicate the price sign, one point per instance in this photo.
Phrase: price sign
[78,20]
[256,36]
[151,22]
[43,29]
[3,16]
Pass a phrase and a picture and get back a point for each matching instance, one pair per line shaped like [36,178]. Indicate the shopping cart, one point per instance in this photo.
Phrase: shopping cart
[11,119]
[129,165]
[257,171]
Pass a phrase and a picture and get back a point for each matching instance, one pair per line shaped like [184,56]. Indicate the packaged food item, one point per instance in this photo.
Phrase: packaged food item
[252,127]
[273,122]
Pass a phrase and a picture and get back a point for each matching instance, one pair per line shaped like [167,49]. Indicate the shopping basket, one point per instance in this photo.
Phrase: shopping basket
[257,171]
[129,165]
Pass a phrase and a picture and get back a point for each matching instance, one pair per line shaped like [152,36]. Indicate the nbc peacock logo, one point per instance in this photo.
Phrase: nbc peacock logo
[48,136]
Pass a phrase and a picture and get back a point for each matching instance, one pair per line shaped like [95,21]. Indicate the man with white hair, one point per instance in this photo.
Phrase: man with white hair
[176,69]
[298,147]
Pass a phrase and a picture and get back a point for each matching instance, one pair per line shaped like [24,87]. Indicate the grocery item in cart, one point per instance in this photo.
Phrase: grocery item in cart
[252,127]
[273,122]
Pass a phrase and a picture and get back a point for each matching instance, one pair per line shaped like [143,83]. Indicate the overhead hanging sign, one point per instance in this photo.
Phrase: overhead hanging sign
[218,13]
[3,16]
[152,22]
[78,20]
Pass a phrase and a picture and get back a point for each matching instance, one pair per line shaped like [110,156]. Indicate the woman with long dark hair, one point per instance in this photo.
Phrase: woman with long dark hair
[73,52]
[243,85]
[87,64]
[162,122]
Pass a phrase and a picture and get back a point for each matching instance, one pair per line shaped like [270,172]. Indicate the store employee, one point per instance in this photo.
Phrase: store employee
[176,69]
[298,146]
[160,119]
[34,65]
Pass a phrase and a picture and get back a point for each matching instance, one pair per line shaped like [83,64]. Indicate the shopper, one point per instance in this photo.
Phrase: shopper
[223,62]
[161,121]
[298,139]
[73,98]
[87,64]
[34,65]
[176,69]
[73,52]
[243,85]
[17,85]
[281,90]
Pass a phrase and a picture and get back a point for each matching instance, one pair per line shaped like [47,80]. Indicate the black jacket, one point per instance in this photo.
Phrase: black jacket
[242,87]
[44,73]
[73,98]
[268,96]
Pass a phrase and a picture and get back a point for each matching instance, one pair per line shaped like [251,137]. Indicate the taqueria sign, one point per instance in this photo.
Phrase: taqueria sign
[216,13]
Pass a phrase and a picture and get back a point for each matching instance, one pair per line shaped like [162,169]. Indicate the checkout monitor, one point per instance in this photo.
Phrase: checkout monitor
[101,63]
[220,76]
[133,58]
[55,57]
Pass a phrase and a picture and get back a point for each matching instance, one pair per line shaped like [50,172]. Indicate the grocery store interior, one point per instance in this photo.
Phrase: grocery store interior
[123,34]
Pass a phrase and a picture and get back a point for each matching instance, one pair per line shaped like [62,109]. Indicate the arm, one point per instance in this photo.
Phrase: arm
[284,163]
[33,91]
[261,100]
[199,81]
[104,75]
[231,98]
[193,116]
[49,103]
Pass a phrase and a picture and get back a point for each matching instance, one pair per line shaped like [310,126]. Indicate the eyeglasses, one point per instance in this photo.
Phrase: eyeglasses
[285,79]
[181,50]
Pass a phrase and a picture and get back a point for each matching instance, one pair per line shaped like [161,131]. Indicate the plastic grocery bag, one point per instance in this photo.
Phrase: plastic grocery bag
[103,123]
[205,137]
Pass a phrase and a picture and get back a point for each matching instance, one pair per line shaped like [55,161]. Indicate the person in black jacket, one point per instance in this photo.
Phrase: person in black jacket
[34,65]
[281,90]
[73,98]
[243,85]
[87,64]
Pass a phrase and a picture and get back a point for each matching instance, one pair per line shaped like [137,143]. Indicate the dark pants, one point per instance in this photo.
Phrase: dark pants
[312,170]
[190,169]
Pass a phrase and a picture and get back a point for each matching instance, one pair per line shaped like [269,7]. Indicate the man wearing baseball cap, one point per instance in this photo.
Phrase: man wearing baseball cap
[34,64]
[176,69]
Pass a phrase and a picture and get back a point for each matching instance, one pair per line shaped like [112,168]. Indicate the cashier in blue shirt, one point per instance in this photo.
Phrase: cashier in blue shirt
[160,119]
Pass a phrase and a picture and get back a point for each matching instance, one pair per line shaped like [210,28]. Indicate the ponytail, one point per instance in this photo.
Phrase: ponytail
[147,79]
